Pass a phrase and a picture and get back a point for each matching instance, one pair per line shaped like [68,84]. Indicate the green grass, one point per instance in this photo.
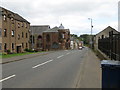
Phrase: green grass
[17,54]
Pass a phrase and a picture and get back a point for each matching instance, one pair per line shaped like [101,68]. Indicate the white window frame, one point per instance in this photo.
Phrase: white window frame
[12,33]
[4,17]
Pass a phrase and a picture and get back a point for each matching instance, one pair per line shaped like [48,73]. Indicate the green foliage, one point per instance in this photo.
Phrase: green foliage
[29,50]
[8,51]
[17,54]
[85,38]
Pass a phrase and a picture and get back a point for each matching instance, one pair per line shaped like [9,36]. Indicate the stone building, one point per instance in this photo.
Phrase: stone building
[36,36]
[103,34]
[57,38]
[74,43]
[14,32]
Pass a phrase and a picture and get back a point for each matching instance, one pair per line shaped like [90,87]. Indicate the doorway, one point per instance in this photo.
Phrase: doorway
[18,49]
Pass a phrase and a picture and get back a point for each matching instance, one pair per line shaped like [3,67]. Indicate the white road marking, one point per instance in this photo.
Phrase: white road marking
[60,56]
[42,64]
[7,78]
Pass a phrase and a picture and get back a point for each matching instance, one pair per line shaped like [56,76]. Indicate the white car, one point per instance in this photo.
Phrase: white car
[80,48]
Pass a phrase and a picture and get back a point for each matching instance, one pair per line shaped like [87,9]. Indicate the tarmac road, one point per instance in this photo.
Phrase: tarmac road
[61,69]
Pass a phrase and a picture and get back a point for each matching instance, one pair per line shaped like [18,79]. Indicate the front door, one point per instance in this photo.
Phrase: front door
[18,49]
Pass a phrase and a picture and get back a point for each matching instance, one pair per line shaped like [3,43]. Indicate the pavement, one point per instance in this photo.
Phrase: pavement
[61,69]
[91,72]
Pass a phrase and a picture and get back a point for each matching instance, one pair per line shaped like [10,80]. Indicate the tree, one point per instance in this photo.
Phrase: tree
[85,38]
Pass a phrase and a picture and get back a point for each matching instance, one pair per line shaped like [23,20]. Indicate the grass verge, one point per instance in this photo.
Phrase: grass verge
[17,54]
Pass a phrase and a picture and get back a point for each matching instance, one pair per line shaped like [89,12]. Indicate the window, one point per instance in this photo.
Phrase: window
[0,46]
[48,38]
[4,17]
[0,32]
[60,35]
[39,37]
[12,32]
[26,45]
[26,25]
[5,47]
[12,19]
[18,37]
[22,35]
[102,36]
[18,25]
[55,45]
[22,24]
[5,33]
[63,35]
[26,35]
[23,45]
[12,46]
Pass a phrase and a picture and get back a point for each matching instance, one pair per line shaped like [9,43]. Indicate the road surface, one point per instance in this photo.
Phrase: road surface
[60,69]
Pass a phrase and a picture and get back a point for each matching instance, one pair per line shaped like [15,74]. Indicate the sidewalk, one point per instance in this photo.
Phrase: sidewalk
[18,58]
[91,71]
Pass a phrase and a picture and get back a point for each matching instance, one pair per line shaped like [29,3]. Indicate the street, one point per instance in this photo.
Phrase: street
[60,69]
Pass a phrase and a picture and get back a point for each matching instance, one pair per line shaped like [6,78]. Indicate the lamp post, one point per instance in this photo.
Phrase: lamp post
[91,42]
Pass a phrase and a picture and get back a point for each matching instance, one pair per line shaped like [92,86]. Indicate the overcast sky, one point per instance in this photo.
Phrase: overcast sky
[73,14]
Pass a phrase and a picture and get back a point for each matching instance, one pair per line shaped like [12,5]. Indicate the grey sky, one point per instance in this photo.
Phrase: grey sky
[73,14]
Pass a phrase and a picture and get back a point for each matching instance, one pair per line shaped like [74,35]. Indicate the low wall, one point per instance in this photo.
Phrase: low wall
[101,55]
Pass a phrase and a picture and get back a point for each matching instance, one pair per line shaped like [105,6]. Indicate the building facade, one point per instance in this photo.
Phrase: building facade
[36,36]
[14,32]
[103,34]
[73,43]
[56,38]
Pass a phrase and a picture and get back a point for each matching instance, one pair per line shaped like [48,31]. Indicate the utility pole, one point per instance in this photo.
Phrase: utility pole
[91,42]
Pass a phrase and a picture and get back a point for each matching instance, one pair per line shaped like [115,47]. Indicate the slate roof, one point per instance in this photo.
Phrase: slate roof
[55,29]
[19,18]
[39,29]
[107,30]
[15,15]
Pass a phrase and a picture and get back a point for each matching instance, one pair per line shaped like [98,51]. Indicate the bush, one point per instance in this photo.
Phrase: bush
[29,50]
[8,51]
[36,50]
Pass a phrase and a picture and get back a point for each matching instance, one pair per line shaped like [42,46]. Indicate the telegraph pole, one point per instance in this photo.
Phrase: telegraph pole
[91,42]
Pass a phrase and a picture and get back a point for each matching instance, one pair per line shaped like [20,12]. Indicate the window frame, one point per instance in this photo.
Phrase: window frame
[5,32]
[13,33]
[26,35]
[5,47]
[13,46]
[18,36]
[4,17]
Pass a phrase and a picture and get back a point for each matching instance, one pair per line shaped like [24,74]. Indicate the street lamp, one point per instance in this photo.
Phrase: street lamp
[91,31]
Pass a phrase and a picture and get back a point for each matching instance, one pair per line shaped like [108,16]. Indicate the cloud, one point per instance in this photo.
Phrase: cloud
[73,14]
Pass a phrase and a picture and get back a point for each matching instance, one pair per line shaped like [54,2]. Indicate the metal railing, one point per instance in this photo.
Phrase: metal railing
[110,46]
